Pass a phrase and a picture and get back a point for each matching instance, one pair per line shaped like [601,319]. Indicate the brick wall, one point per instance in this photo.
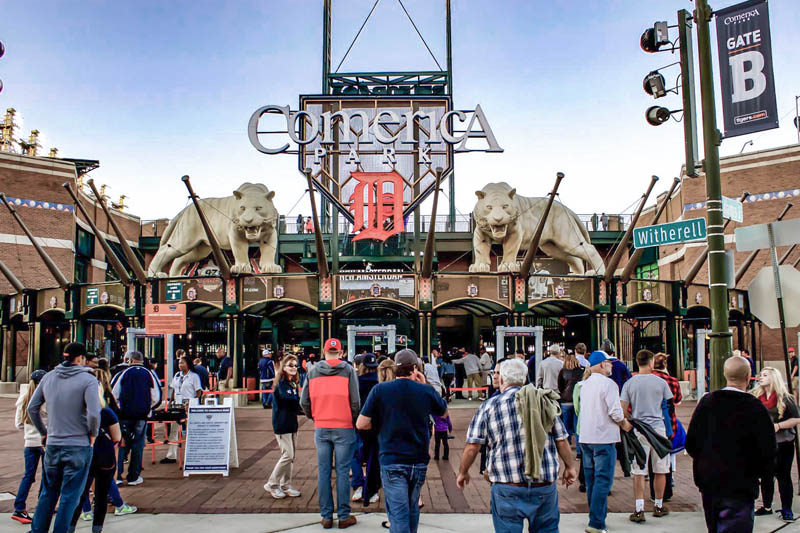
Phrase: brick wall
[39,179]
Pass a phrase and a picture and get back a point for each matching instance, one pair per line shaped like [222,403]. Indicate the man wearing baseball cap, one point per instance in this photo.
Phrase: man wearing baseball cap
[599,424]
[399,410]
[330,398]
[266,374]
[70,392]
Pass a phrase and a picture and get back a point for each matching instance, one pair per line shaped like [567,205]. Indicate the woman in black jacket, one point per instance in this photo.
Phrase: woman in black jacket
[570,374]
[285,408]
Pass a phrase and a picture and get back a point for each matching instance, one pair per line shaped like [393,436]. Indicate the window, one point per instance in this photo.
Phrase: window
[649,271]
[84,243]
[81,270]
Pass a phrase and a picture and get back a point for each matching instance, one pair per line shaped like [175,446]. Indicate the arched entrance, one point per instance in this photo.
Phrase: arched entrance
[565,322]
[377,312]
[53,337]
[104,335]
[645,326]
[470,323]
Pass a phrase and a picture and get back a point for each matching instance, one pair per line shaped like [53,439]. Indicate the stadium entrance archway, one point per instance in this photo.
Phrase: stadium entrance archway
[374,314]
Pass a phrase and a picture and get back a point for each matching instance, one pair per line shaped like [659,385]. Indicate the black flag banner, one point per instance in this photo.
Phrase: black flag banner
[745,68]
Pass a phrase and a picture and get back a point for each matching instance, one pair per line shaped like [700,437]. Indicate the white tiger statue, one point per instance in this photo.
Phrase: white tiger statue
[248,216]
[502,216]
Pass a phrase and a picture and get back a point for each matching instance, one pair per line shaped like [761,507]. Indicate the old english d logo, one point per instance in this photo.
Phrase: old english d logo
[384,208]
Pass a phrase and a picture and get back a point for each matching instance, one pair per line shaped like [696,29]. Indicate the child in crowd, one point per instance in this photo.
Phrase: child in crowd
[441,427]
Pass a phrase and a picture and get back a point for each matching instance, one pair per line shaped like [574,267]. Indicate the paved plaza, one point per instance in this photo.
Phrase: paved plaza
[241,497]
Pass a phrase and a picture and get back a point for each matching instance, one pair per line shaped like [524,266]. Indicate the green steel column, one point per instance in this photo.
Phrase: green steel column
[720,337]
[452,184]
[4,344]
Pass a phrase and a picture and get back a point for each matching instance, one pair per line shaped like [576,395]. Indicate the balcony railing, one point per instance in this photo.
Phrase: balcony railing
[461,224]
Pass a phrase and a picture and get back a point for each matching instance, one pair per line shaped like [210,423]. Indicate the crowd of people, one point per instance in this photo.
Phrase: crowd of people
[375,420]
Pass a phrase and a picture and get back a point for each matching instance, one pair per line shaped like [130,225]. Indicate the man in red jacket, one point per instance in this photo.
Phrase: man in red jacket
[331,399]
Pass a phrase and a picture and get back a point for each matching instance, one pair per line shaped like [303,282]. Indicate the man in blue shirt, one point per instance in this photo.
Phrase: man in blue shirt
[399,410]
[224,371]
[266,373]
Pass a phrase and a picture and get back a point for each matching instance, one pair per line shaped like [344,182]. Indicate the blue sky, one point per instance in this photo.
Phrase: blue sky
[156,90]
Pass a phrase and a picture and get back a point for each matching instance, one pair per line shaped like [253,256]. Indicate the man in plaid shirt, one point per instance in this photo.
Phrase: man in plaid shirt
[515,497]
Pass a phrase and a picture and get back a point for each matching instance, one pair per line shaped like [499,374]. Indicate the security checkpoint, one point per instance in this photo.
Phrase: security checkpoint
[390,332]
[537,332]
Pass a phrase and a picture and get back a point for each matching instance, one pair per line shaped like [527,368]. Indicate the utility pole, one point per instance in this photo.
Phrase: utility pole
[720,337]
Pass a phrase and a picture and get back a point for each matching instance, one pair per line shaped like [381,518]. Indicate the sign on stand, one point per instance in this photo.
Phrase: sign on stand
[693,229]
[165,319]
[211,446]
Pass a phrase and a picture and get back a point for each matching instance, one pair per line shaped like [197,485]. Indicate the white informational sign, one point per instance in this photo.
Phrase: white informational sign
[785,233]
[210,438]
[764,301]
[732,209]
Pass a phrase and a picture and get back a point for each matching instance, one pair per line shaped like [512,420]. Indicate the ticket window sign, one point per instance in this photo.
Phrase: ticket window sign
[173,291]
[92,296]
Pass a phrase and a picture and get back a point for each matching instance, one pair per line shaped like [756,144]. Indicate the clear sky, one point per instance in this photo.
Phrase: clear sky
[156,90]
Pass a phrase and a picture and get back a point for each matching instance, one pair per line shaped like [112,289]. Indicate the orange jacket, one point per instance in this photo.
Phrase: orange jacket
[330,397]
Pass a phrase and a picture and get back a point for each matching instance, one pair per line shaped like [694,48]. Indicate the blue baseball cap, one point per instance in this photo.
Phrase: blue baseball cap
[598,357]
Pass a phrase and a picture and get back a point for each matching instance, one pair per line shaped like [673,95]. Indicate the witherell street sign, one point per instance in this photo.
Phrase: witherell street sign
[693,229]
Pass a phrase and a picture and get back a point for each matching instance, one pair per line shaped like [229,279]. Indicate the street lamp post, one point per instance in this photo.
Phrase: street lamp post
[720,336]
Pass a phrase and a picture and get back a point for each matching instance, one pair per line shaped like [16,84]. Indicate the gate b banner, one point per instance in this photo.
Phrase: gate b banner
[745,67]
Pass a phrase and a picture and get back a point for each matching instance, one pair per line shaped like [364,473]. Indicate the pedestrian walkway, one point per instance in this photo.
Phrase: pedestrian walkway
[165,490]
[429,523]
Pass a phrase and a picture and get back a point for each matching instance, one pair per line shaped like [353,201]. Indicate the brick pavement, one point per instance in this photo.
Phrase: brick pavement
[166,490]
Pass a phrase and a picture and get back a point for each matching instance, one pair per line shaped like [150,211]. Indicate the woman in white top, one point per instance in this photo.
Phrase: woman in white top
[34,451]
[185,385]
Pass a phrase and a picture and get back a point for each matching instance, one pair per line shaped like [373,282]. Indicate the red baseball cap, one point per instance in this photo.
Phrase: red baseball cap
[332,345]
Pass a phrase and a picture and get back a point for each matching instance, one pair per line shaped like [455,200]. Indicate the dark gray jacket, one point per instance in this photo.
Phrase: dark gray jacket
[73,406]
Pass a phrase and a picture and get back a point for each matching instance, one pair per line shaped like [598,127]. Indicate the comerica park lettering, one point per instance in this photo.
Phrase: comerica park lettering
[453,127]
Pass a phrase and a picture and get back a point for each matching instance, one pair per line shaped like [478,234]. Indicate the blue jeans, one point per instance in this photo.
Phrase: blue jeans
[728,515]
[33,456]
[339,442]
[357,472]
[599,461]
[133,432]
[113,496]
[401,486]
[568,417]
[512,505]
[65,470]
[266,397]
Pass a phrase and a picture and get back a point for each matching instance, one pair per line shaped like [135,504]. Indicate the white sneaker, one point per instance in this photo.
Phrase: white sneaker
[374,499]
[358,494]
[276,492]
[292,493]
[137,481]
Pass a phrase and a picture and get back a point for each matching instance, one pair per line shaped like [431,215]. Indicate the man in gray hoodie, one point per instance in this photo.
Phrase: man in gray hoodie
[73,419]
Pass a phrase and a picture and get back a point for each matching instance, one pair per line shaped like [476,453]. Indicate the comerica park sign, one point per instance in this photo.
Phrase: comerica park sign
[375,158]
[386,126]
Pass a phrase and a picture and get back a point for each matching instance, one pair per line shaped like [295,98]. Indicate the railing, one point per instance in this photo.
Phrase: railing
[461,224]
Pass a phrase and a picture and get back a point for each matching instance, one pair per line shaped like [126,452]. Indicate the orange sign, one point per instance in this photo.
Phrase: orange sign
[165,319]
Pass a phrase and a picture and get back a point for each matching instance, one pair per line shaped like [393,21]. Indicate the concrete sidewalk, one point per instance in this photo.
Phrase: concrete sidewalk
[429,523]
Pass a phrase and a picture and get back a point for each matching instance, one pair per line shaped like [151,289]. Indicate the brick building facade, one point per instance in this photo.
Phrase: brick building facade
[772,177]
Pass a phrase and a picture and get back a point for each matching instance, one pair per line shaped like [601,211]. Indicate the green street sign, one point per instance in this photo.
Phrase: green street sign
[693,229]
[174,291]
[92,296]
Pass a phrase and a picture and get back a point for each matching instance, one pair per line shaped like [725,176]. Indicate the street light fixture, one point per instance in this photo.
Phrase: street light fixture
[654,38]
[657,115]
[654,84]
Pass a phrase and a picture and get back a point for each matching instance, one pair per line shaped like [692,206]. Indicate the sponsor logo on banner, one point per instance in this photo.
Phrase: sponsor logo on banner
[745,68]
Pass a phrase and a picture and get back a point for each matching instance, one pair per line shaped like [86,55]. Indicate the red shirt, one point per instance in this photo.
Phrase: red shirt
[674,386]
